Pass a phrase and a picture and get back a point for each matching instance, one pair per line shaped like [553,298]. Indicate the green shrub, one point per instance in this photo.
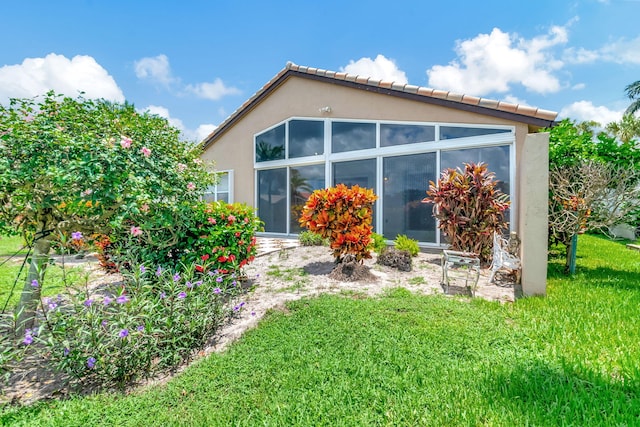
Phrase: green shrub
[214,236]
[153,321]
[469,207]
[309,238]
[404,243]
[378,243]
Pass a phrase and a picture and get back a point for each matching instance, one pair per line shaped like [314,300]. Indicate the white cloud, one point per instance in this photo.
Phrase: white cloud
[380,68]
[201,132]
[586,111]
[158,70]
[36,76]
[578,86]
[621,51]
[494,62]
[164,112]
[580,55]
[155,69]
[514,100]
[213,91]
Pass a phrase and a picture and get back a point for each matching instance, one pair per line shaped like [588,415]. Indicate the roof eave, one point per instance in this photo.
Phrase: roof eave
[382,88]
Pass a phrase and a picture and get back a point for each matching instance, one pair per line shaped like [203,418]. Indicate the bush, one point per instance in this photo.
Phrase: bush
[469,207]
[308,238]
[214,236]
[152,322]
[395,258]
[378,243]
[343,215]
[404,243]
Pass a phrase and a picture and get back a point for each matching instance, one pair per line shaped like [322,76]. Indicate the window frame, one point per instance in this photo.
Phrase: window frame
[213,189]
[328,158]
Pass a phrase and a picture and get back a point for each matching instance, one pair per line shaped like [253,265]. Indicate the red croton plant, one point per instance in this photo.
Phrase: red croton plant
[343,215]
[469,207]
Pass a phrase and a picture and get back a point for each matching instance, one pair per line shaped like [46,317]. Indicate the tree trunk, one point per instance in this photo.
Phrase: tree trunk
[30,297]
[570,265]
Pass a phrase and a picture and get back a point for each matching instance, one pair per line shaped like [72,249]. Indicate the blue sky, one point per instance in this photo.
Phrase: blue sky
[195,62]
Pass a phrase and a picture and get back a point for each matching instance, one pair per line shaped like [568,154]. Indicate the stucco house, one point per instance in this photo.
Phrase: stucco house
[309,128]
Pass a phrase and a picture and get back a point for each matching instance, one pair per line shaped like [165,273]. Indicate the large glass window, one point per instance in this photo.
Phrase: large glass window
[306,138]
[452,132]
[399,173]
[496,158]
[406,180]
[356,172]
[272,199]
[270,145]
[391,134]
[350,136]
[303,180]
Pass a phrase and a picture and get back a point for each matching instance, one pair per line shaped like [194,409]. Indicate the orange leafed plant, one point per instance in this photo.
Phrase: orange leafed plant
[343,215]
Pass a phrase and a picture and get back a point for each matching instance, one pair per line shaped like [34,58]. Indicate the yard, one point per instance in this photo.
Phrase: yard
[403,359]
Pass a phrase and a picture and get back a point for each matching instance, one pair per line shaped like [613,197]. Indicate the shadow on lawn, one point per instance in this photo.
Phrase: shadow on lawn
[563,396]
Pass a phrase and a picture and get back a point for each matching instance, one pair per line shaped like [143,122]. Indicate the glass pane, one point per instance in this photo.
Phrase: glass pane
[357,172]
[223,182]
[224,197]
[496,158]
[270,145]
[347,136]
[452,132]
[209,196]
[306,138]
[405,134]
[303,181]
[406,181]
[272,199]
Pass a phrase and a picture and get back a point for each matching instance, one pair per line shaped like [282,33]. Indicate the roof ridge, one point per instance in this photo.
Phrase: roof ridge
[420,91]
[449,95]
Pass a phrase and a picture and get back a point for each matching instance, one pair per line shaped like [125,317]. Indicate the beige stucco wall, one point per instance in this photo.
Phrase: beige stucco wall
[298,97]
[533,195]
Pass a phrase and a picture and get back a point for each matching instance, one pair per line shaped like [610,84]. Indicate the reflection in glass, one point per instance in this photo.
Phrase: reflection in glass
[405,134]
[272,199]
[303,180]
[219,191]
[496,158]
[270,145]
[306,138]
[349,136]
[406,180]
[452,132]
[223,182]
[356,172]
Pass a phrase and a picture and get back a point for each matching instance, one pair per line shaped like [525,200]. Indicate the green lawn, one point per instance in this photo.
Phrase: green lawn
[10,294]
[568,359]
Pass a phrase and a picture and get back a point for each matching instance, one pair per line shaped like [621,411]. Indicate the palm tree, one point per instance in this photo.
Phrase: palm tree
[266,151]
[633,92]
[626,129]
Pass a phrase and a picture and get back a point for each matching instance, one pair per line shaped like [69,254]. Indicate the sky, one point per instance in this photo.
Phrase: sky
[195,62]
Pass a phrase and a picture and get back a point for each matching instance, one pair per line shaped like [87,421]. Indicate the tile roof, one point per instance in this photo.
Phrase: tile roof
[517,112]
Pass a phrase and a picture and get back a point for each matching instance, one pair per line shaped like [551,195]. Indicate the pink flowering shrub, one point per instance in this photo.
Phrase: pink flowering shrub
[223,237]
[212,236]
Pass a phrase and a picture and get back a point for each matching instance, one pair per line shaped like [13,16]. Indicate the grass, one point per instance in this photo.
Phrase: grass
[9,271]
[403,359]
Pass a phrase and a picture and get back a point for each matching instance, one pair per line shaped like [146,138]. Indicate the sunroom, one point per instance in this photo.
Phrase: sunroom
[309,128]
[396,159]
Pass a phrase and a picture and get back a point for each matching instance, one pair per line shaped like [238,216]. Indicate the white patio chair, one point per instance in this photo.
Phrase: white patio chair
[502,259]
